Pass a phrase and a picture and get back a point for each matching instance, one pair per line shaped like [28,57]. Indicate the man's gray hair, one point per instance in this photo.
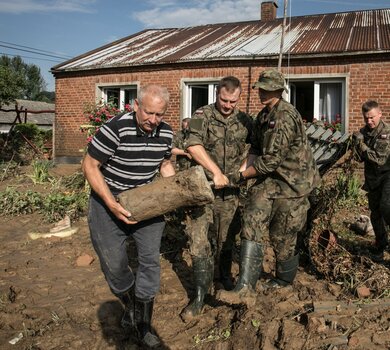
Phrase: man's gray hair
[155,91]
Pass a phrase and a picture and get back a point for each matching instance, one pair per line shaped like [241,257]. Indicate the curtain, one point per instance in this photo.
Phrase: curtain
[330,102]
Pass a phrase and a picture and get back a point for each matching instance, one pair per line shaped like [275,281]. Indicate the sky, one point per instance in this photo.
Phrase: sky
[48,32]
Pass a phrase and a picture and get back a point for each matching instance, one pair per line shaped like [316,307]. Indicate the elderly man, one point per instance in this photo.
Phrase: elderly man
[281,161]
[372,146]
[127,152]
[218,136]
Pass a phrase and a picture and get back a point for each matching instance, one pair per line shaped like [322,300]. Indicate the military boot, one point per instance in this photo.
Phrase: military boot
[251,258]
[286,271]
[225,266]
[203,269]
[127,299]
[143,319]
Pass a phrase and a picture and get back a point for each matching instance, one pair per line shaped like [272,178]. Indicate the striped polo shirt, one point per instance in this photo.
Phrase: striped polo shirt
[129,156]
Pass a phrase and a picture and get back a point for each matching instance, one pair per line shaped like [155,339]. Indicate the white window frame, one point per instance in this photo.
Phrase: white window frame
[100,91]
[318,79]
[187,92]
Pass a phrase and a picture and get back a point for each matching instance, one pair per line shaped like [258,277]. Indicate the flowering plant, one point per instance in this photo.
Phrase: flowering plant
[334,125]
[98,115]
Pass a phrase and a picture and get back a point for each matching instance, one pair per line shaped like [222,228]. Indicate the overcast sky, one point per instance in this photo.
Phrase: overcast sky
[67,28]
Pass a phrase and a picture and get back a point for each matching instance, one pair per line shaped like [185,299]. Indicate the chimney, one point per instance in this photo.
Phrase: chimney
[268,10]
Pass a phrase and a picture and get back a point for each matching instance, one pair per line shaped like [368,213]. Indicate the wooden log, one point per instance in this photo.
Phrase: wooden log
[186,188]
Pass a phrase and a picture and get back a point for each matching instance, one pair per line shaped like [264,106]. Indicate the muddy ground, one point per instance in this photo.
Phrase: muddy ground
[48,301]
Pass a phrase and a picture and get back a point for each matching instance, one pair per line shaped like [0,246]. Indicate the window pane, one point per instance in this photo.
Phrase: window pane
[113,96]
[330,102]
[199,96]
[130,96]
[302,97]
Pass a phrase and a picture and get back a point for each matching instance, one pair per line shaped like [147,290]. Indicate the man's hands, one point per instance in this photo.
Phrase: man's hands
[357,137]
[236,179]
[358,141]
[220,181]
[121,213]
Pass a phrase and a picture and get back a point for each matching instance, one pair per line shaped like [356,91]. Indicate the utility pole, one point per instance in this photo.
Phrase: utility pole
[282,37]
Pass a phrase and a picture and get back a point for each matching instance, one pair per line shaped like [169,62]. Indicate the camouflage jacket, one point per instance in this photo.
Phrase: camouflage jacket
[182,162]
[375,152]
[226,140]
[284,158]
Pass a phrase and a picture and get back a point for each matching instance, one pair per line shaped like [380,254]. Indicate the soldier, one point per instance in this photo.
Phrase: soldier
[372,146]
[218,136]
[183,158]
[281,160]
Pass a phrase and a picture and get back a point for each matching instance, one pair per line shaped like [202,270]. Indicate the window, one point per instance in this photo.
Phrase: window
[197,94]
[322,99]
[119,95]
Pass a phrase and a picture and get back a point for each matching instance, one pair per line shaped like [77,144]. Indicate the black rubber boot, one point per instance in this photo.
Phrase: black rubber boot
[286,271]
[251,258]
[127,299]
[203,269]
[143,318]
[225,266]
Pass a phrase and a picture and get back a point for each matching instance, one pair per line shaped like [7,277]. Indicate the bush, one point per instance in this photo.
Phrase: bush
[97,115]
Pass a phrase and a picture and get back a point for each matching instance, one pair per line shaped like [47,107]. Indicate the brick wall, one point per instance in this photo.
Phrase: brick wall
[367,80]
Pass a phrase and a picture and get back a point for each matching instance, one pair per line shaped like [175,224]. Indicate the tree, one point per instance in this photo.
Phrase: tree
[19,80]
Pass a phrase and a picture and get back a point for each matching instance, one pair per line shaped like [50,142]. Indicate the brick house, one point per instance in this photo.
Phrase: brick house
[333,63]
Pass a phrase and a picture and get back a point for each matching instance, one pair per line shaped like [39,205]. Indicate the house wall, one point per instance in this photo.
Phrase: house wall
[368,79]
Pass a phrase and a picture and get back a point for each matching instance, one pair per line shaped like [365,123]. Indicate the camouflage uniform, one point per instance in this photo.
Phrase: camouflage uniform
[182,162]
[375,152]
[213,228]
[278,201]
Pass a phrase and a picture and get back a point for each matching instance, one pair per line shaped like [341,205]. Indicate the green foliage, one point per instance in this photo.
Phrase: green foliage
[47,96]
[53,206]
[255,323]
[56,205]
[8,169]
[11,85]
[19,80]
[348,187]
[41,169]
[13,202]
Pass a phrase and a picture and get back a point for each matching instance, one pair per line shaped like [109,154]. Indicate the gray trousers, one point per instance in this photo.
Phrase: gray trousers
[109,235]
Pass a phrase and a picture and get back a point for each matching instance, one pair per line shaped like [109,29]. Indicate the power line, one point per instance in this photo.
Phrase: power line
[33,48]
[37,53]
[34,58]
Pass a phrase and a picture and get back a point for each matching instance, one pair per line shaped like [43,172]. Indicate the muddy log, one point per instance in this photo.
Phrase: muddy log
[186,188]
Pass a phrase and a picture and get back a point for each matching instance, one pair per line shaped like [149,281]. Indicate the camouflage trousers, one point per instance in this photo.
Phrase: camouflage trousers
[213,228]
[379,204]
[274,220]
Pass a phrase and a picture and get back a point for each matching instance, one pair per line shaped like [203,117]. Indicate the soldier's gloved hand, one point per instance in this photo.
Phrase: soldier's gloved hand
[358,141]
[357,137]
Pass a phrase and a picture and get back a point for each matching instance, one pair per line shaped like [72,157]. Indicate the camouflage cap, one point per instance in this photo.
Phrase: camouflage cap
[270,80]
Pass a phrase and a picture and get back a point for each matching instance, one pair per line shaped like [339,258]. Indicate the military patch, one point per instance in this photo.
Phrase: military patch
[384,137]
[272,124]
[196,124]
